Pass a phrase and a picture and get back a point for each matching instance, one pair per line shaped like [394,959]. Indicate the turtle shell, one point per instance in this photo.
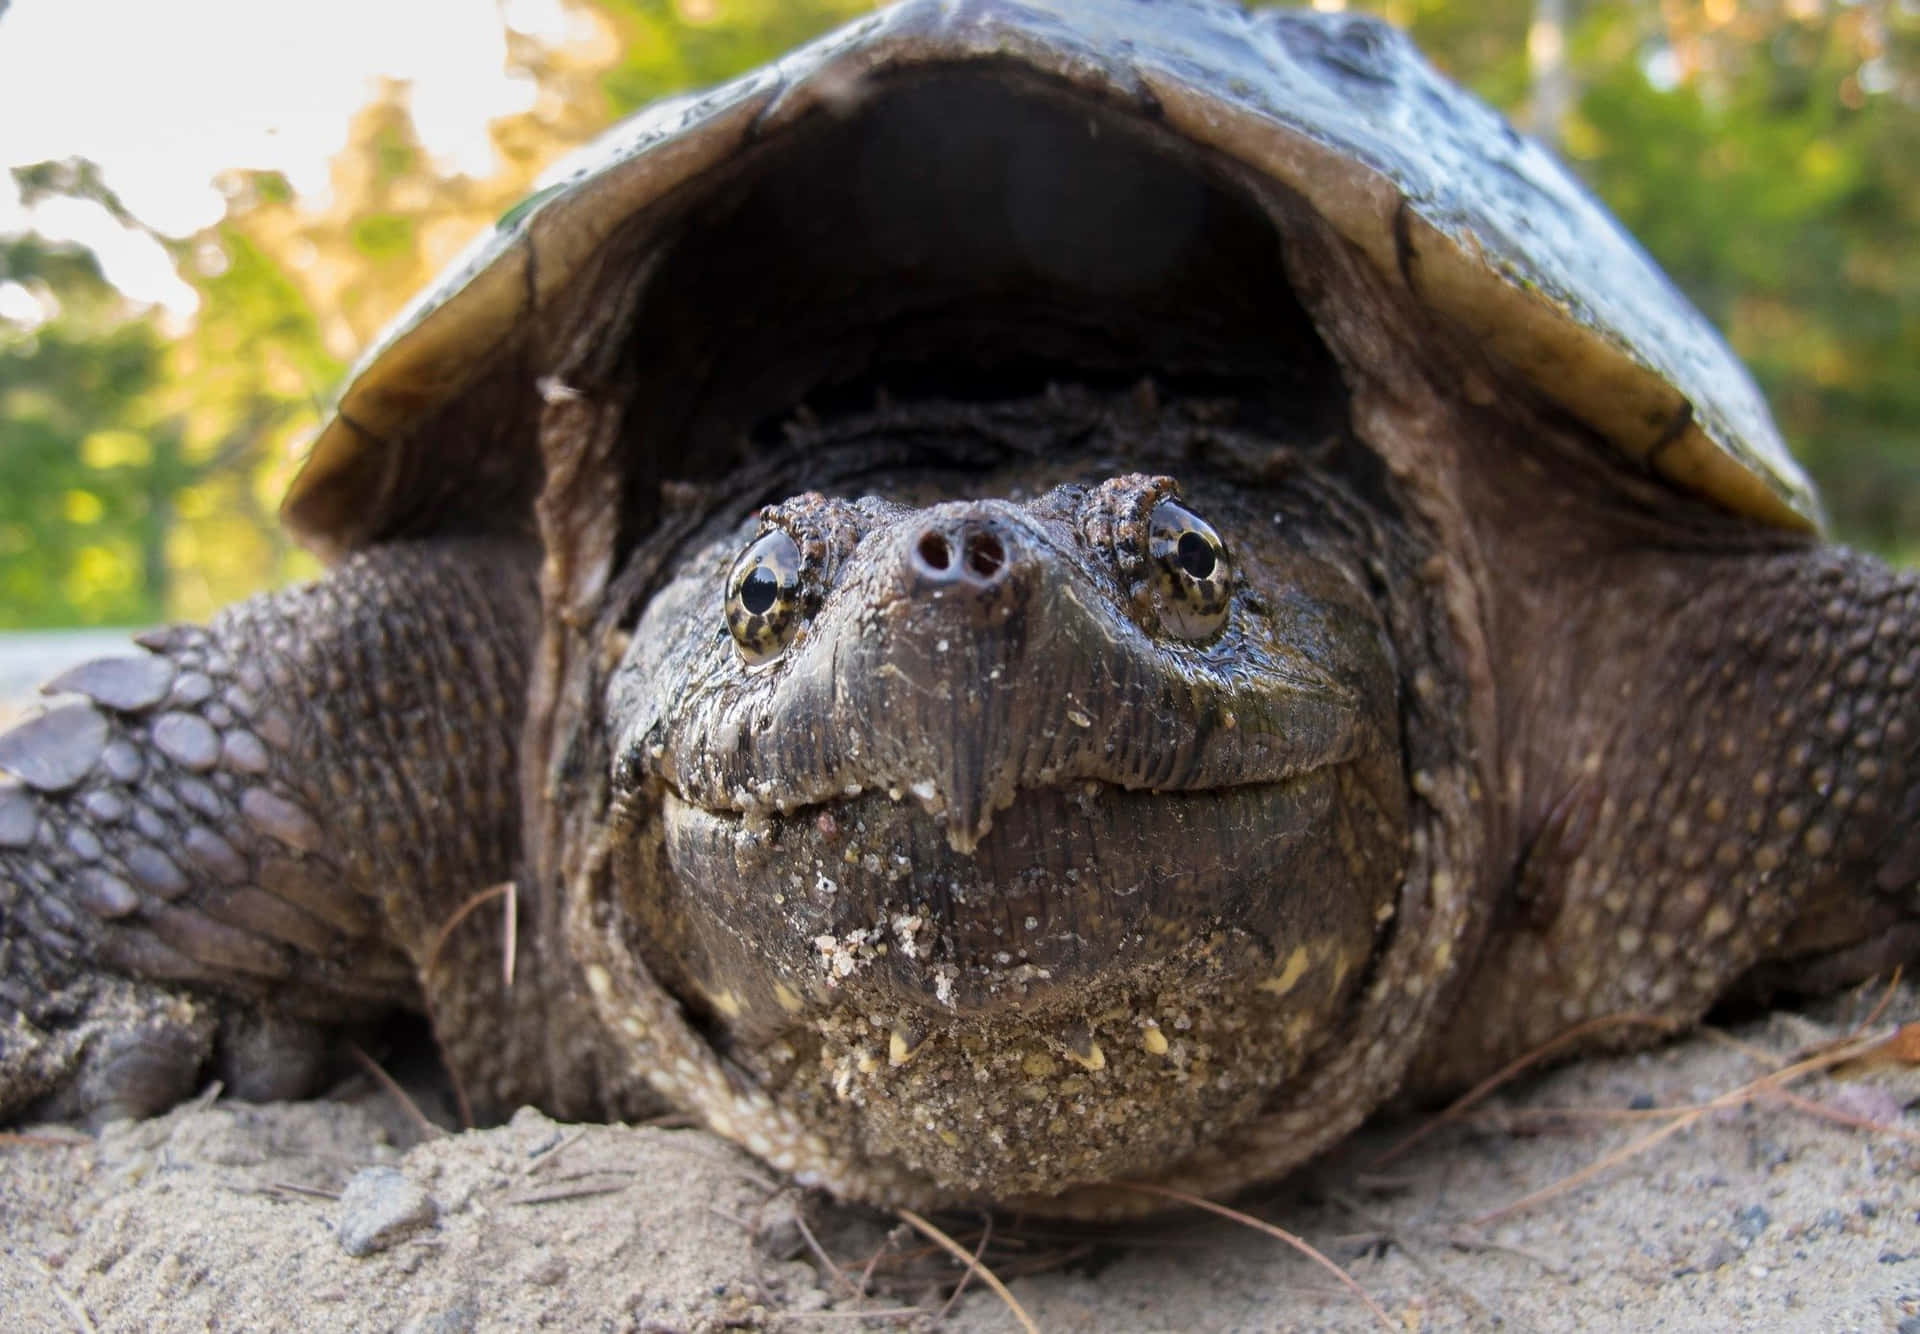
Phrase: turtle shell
[435,428]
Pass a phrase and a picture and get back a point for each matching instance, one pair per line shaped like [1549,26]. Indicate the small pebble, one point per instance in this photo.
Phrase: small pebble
[454,1320]
[380,1207]
[1720,1254]
[1751,1221]
[547,1272]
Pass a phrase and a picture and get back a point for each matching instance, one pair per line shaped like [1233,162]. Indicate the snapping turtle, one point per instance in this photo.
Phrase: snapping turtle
[1037,594]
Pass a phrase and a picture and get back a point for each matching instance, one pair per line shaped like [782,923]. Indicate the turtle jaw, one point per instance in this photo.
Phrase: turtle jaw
[1158,962]
[1069,888]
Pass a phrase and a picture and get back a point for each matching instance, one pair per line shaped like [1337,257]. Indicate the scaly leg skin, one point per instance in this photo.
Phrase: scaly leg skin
[253,833]
[1727,755]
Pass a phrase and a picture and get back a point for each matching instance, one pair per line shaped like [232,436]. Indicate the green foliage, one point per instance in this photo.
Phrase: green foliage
[244,386]
[668,45]
[395,154]
[383,235]
[77,491]
[137,471]
[1785,200]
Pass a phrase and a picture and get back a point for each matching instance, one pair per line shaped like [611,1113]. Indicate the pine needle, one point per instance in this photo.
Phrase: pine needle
[81,1320]
[1772,1083]
[510,947]
[428,1130]
[1840,1118]
[1272,1230]
[820,1254]
[43,1141]
[986,1235]
[1479,1092]
[505,889]
[965,1257]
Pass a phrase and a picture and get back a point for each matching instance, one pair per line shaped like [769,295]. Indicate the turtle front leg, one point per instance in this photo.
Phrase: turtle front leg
[1713,772]
[254,832]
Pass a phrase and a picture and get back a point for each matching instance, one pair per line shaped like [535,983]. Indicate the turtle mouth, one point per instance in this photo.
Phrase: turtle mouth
[1070,885]
[965,820]
[893,806]
[1156,962]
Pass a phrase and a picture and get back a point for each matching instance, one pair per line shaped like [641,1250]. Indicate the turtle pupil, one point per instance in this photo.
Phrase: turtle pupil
[1195,555]
[759,591]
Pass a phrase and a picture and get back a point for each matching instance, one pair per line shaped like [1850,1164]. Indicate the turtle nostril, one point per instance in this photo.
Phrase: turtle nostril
[985,555]
[934,552]
[961,550]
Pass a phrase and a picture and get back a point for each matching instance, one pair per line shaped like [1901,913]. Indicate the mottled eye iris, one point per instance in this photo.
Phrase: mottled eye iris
[1193,578]
[763,597]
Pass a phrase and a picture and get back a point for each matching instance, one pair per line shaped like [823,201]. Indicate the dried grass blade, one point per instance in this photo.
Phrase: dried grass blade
[1272,1230]
[960,1253]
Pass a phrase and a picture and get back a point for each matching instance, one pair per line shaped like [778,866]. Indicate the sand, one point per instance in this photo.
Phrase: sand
[228,1216]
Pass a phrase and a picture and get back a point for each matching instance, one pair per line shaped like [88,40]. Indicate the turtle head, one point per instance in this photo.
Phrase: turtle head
[942,794]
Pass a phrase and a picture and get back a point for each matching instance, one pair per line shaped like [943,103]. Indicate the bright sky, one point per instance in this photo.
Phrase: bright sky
[166,95]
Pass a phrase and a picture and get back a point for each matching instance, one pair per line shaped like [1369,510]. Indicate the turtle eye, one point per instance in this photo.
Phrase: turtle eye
[1192,574]
[763,597]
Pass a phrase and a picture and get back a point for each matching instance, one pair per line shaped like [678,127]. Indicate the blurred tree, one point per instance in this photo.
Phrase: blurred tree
[164,457]
[153,444]
[667,45]
[1769,155]
[82,492]
[140,466]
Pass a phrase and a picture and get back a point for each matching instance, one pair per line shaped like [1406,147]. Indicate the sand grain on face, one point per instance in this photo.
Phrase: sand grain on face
[1761,1218]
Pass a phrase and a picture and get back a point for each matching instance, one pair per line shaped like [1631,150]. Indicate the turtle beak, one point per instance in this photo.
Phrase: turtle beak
[961,629]
[964,800]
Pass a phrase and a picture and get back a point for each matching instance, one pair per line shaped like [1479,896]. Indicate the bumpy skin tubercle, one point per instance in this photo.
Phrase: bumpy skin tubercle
[219,849]
[1730,791]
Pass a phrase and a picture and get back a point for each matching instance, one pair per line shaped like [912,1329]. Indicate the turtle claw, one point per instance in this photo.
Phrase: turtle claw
[265,1056]
[133,1049]
[138,1072]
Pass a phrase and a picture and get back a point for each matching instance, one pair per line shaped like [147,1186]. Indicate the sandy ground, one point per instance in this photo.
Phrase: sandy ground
[225,1216]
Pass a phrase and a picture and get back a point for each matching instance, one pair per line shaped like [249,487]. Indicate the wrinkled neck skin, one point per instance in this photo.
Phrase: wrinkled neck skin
[1006,873]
